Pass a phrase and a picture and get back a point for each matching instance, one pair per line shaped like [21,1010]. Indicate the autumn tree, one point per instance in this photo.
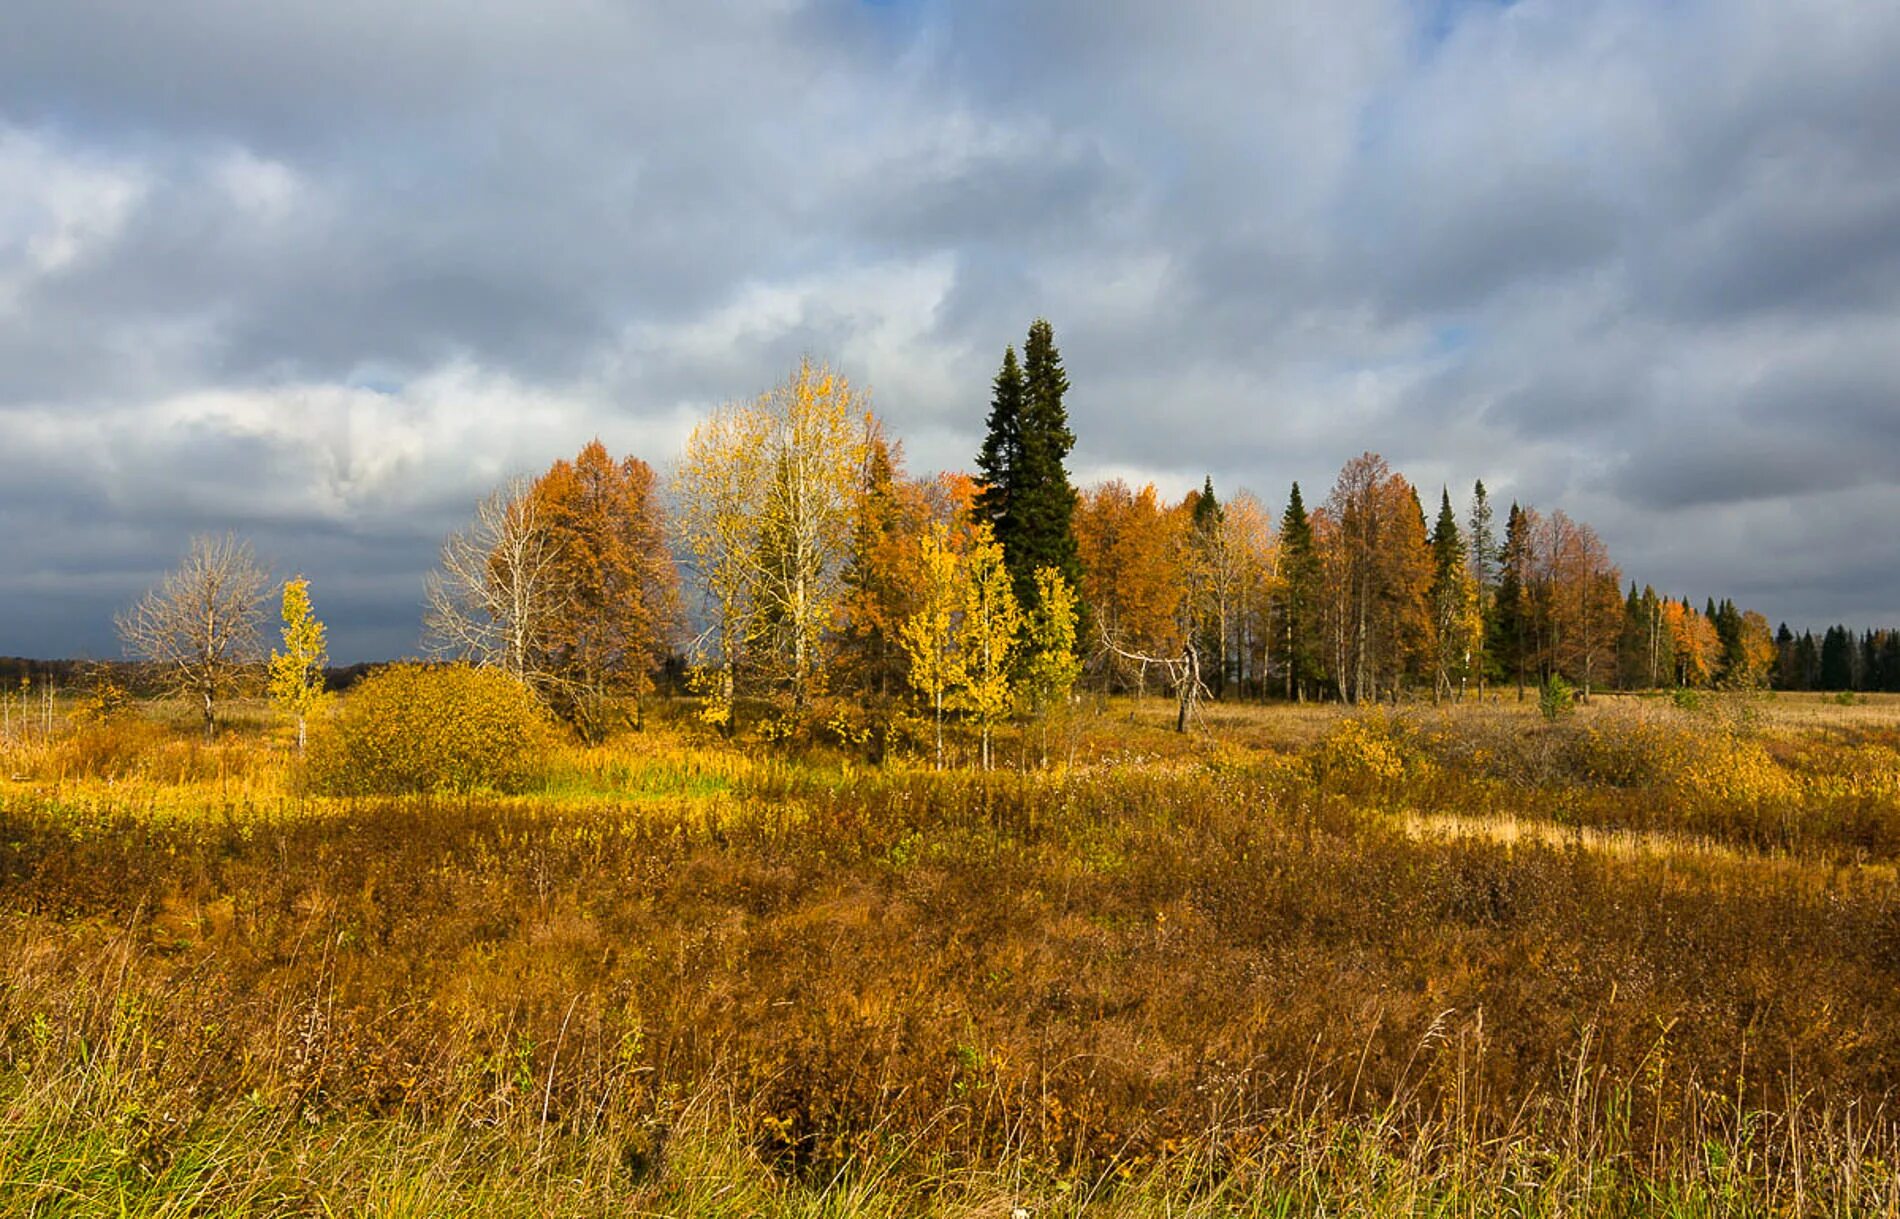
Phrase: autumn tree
[766,494]
[495,595]
[1134,577]
[928,633]
[1049,666]
[200,629]
[1694,643]
[296,673]
[987,630]
[883,576]
[1244,563]
[1378,572]
[1574,599]
[1756,653]
[719,502]
[612,623]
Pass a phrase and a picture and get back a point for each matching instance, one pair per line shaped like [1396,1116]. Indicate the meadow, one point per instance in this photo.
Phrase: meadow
[1639,960]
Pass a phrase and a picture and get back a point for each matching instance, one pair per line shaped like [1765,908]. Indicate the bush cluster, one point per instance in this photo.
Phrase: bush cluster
[432,728]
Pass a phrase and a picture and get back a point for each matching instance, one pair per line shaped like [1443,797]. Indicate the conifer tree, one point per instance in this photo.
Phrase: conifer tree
[1203,604]
[1509,646]
[1455,622]
[1484,541]
[1025,493]
[1297,607]
[1837,659]
[1000,462]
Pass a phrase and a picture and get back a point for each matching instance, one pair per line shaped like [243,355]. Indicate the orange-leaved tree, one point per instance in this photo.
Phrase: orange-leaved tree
[619,604]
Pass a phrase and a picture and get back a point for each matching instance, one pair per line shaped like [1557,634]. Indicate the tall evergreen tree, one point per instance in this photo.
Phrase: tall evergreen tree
[1484,539]
[999,463]
[1297,606]
[1632,652]
[1837,660]
[1204,526]
[1785,659]
[1041,526]
[1807,662]
[1508,647]
[1454,604]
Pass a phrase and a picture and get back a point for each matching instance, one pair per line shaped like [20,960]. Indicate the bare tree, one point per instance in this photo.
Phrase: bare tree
[201,627]
[496,597]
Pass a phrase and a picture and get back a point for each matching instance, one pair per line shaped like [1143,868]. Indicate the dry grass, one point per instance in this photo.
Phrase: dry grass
[1452,961]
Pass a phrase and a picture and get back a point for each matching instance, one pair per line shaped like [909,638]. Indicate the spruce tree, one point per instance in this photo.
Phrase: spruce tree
[1837,660]
[1023,486]
[1508,621]
[1205,521]
[1453,600]
[1484,540]
[999,463]
[1807,662]
[1297,606]
[1632,643]
[1041,529]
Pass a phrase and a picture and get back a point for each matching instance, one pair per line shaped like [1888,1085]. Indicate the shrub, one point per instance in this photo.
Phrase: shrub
[426,728]
[1556,698]
[1369,755]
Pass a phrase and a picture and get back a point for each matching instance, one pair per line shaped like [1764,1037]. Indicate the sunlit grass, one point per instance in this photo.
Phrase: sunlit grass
[1442,960]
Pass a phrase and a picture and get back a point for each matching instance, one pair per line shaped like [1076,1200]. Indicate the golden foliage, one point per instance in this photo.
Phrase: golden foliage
[432,728]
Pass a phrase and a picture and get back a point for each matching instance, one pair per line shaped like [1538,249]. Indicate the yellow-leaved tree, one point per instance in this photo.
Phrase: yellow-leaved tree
[766,492]
[296,673]
[986,637]
[929,634]
[1050,666]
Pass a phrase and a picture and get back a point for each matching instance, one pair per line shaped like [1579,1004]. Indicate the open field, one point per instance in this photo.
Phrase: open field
[1459,961]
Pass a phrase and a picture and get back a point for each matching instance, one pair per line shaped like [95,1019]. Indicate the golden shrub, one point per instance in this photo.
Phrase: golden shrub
[1367,753]
[427,728]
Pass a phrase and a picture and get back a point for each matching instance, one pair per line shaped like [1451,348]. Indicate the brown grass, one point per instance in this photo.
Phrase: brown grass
[1293,960]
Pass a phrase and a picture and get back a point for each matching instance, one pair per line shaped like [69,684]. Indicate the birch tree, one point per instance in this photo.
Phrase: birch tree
[496,595]
[200,629]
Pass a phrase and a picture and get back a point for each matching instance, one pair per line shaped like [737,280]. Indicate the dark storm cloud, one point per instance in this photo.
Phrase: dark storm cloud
[327,272]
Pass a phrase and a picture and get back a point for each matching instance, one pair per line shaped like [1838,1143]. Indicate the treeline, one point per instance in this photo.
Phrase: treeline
[791,562]
[1838,661]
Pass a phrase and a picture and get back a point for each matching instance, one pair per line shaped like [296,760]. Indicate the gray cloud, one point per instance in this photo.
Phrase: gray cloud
[327,272]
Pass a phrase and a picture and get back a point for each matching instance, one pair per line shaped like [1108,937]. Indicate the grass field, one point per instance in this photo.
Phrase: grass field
[1416,961]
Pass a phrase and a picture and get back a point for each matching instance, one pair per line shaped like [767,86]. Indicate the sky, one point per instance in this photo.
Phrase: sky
[325,272]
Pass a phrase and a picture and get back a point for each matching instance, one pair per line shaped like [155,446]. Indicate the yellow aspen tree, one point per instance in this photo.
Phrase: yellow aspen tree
[1050,666]
[929,634]
[767,493]
[818,432]
[986,637]
[296,673]
[718,489]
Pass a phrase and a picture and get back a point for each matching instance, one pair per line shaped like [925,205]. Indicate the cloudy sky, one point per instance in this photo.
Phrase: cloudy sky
[326,272]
